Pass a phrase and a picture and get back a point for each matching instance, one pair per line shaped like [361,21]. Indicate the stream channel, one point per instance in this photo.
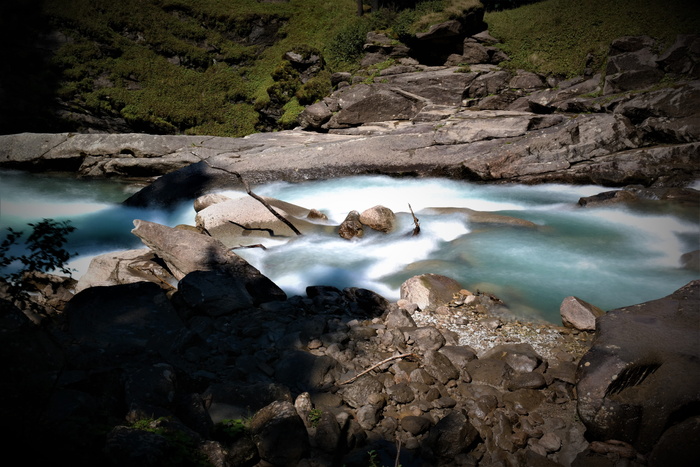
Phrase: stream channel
[609,256]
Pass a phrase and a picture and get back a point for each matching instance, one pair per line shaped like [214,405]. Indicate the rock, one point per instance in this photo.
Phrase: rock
[351,227]
[185,252]
[691,260]
[450,436]
[578,314]
[214,293]
[522,358]
[381,104]
[440,367]
[682,56]
[428,291]
[474,52]
[314,116]
[642,369]
[379,218]
[236,221]
[631,65]
[209,199]
[279,434]
[415,425]
[122,321]
[125,267]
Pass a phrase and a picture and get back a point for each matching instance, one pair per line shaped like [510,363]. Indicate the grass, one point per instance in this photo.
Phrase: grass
[187,66]
[182,66]
[554,37]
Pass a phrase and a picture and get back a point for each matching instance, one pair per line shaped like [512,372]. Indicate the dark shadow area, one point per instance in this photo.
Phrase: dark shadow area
[28,84]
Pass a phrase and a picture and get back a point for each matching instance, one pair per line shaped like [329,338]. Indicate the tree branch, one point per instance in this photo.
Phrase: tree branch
[262,201]
[404,355]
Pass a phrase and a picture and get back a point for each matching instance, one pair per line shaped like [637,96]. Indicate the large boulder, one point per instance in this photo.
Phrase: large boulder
[240,220]
[185,251]
[641,376]
[125,267]
[122,322]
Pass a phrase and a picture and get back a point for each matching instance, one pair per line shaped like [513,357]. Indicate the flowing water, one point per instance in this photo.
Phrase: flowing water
[611,257]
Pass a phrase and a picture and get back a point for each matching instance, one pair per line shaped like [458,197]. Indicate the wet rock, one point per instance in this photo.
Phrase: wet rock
[351,227]
[378,218]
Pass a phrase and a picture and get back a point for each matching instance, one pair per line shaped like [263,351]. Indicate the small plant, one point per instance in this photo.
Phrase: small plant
[315,417]
[44,253]
[230,430]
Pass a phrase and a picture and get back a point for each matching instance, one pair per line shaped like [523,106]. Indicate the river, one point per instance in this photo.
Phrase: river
[610,257]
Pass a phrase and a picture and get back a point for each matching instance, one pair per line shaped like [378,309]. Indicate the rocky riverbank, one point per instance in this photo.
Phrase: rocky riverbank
[191,355]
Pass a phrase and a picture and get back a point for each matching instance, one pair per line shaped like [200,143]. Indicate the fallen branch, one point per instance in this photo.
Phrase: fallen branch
[262,201]
[404,355]
[416,229]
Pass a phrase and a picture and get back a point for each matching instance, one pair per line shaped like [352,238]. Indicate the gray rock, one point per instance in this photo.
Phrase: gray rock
[214,293]
[429,291]
[578,314]
[642,369]
[279,434]
[450,436]
[185,251]
[522,358]
[440,367]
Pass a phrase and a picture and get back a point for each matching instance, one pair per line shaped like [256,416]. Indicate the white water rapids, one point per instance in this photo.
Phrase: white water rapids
[608,256]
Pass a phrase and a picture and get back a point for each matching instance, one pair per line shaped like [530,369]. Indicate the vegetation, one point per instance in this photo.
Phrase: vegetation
[44,252]
[216,66]
[558,36]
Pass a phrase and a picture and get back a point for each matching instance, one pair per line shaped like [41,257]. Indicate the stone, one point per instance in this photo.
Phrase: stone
[314,116]
[351,227]
[125,267]
[121,321]
[451,435]
[204,201]
[642,369]
[522,358]
[440,367]
[428,291]
[279,434]
[379,218]
[578,314]
[214,293]
[186,251]
[415,425]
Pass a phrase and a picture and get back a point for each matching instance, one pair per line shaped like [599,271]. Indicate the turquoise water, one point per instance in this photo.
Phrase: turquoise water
[610,257]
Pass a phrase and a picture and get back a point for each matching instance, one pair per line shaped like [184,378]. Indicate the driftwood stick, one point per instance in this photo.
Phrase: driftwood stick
[404,355]
[416,229]
[258,198]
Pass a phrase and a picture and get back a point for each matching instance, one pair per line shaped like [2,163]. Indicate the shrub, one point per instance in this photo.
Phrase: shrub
[44,252]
